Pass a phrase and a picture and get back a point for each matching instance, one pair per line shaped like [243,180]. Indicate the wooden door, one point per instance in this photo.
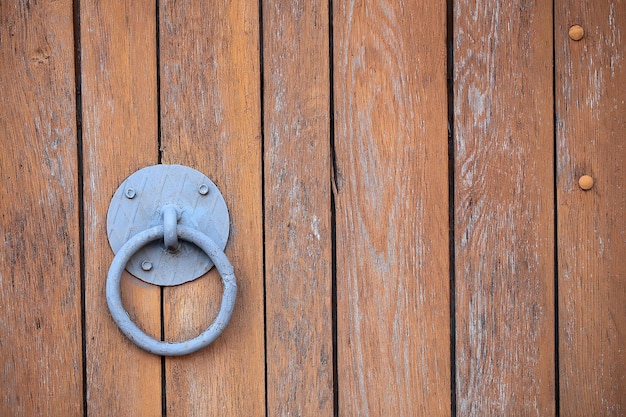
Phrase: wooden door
[408,230]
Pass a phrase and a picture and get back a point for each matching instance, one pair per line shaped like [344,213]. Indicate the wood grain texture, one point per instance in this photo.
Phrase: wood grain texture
[119,101]
[40,321]
[391,208]
[591,122]
[210,110]
[298,242]
[504,226]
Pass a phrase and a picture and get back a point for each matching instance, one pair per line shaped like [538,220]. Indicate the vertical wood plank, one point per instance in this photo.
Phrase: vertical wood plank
[298,208]
[591,121]
[504,228]
[210,110]
[391,208]
[119,101]
[40,289]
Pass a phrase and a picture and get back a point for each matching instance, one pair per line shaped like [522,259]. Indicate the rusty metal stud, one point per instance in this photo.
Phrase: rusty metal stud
[576,32]
[585,182]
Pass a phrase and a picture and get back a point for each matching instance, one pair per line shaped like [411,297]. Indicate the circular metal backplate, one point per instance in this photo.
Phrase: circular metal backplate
[137,205]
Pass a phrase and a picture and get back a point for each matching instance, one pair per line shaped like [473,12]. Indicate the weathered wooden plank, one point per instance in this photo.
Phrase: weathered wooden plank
[393,329]
[210,101]
[591,121]
[504,226]
[119,101]
[298,208]
[40,289]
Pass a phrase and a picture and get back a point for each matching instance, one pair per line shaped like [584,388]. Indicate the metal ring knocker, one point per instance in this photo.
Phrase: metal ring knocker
[178,218]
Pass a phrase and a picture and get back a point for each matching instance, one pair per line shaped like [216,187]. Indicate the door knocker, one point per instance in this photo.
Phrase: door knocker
[167,225]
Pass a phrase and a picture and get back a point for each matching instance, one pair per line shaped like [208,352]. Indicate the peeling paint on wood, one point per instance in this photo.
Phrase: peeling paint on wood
[504,206]
[210,121]
[119,120]
[40,307]
[591,121]
[392,247]
[384,108]
[298,209]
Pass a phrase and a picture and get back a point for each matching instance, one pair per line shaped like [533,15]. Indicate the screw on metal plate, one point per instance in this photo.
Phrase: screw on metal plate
[168,224]
[146,265]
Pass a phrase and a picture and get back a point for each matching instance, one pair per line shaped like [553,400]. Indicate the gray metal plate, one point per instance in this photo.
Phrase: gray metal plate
[136,206]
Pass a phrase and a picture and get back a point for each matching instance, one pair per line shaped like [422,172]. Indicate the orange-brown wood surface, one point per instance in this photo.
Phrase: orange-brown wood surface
[298,243]
[408,231]
[591,133]
[119,121]
[40,304]
[504,224]
[391,143]
[210,115]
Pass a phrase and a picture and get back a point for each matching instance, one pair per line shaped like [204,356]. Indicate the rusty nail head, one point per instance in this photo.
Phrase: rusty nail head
[576,32]
[585,182]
